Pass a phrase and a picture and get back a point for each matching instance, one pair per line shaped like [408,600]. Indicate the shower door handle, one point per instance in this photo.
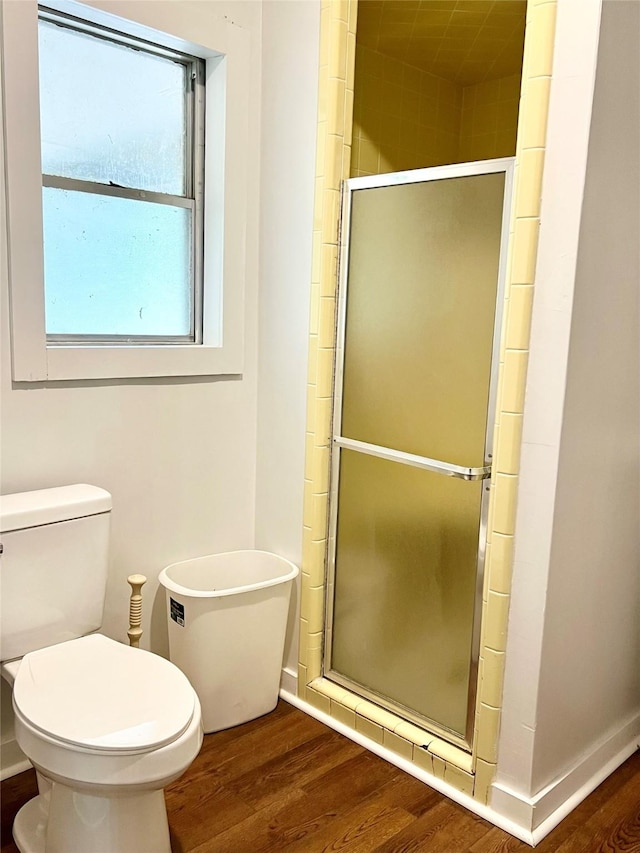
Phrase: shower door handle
[437,466]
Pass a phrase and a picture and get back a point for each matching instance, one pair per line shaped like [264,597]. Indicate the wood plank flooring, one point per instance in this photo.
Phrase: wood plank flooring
[285,782]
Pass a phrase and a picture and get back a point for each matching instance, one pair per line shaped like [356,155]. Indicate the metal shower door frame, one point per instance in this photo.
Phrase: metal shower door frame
[338,442]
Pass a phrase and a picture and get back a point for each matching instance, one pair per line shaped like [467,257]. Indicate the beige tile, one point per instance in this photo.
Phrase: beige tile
[343,714]
[518,329]
[312,367]
[491,486]
[422,758]
[348,119]
[346,162]
[505,497]
[525,249]
[329,270]
[369,729]
[316,250]
[306,549]
[314,313]
[303,680]
[542,27]
[311,413]
[314,612]
[439,767]
[322,703]
[514,376]
[483,779]
[529,186]
[338,48]
[330,214]
[378,715]
[308,460]
[314,660]
[496,615]
[508,456]
[351,53]
[351,701]
[304,597]
[501,563]
[496,430]
[319,510]
[397,744]
[324,375]
[316,563]
[303,647]
[451,754]
[413,734]
[459,779]
[329,688]
[335,105]
[327,323]
[332,164]
[322,425]
[486,744]
[535,109]
[492,677]
[307,505]
[315,642]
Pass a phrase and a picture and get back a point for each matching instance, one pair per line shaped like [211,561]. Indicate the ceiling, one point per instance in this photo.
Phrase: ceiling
[466,41]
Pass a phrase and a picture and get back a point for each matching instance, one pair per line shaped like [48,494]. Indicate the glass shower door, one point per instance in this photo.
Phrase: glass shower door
[422,261]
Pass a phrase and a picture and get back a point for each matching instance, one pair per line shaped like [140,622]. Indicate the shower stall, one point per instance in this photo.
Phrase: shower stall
[422,267]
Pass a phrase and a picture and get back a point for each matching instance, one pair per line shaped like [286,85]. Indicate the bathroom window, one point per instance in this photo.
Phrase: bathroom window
[127,154]
[122,146]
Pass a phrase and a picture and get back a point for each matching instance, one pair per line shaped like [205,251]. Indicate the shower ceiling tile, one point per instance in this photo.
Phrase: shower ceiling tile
[465,41]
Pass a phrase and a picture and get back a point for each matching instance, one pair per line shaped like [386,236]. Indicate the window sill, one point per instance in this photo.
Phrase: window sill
[127,362]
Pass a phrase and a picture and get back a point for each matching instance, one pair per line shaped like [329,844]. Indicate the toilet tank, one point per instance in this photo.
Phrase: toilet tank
[53,568]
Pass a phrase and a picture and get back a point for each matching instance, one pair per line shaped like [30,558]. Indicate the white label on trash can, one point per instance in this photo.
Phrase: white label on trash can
[177,611]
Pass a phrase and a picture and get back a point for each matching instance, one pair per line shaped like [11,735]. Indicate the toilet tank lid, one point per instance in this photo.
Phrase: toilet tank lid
[46,506]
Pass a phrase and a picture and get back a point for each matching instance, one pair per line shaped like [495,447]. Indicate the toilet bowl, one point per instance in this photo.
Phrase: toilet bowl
[106,727]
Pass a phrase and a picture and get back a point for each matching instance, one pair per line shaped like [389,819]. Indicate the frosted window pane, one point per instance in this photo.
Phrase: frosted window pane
[115,266]
[110,113]
[405,584]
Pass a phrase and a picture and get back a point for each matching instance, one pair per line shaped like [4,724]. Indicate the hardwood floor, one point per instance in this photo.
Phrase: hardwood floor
[285,782]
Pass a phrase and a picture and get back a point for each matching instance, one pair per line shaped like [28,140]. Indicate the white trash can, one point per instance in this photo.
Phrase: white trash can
[227,616]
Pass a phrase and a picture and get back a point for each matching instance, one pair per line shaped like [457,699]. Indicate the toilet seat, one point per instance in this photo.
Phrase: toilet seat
[97,695]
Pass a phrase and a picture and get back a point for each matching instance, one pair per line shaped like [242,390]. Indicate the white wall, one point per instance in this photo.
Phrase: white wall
[201,465]
[289,116]
[178,456]
[572,677]
[590,676]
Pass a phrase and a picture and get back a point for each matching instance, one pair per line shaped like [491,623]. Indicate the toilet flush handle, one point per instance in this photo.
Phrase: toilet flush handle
[135,609]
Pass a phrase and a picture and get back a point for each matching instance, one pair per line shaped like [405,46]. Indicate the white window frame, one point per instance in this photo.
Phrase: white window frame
[227,56]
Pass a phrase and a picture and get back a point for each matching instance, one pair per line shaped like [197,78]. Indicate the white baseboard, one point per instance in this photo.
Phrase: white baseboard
[12,760]
[544,811]
[440,785]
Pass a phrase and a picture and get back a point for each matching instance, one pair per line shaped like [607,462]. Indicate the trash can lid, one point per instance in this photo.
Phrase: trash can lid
[99,694]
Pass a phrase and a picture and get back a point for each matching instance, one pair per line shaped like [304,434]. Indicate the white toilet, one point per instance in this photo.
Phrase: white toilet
[106,726]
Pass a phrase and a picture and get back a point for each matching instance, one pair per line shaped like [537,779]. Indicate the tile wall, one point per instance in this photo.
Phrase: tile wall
[472,774]
[489,119]
[405,118]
